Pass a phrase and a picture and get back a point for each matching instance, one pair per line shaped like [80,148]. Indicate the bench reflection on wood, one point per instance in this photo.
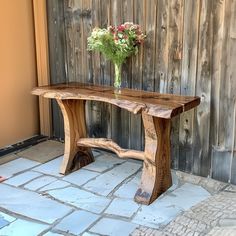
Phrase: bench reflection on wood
[156,109]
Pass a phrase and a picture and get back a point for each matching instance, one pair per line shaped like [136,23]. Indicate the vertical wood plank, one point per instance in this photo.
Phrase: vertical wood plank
[127,16]
[232,95]
[150,17]
[203,89]
[188,82]
[70,42]
[42,54]
[105,70]
[57,57]
[136,136]
[162,47]
[116,120]
[220,156]
[174,68]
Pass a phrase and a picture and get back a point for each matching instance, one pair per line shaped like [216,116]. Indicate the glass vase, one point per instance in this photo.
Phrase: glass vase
[117,79]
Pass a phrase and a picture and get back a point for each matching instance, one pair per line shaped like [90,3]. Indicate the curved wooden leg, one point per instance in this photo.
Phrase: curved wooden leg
[75,128]
[156,175]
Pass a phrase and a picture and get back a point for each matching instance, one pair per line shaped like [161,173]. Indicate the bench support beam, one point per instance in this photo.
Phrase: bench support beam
[109,144]
[156,174]
[75,128]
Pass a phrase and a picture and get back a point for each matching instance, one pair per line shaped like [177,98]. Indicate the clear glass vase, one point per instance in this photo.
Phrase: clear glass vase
[117,79]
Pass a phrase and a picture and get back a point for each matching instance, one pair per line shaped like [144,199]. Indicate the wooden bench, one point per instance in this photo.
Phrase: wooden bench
[157,111]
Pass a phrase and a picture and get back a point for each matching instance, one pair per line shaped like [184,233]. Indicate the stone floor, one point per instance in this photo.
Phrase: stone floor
[98,200]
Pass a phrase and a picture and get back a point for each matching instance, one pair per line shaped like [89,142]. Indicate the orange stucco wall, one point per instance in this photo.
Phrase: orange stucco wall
[18,108]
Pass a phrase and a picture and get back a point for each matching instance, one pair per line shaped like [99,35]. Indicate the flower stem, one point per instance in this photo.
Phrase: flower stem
[117,82]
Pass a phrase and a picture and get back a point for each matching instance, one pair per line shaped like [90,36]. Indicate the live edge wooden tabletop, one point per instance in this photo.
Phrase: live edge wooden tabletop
[156,109]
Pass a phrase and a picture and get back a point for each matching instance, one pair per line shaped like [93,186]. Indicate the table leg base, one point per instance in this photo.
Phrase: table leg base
[156,174]
[75,128]
[146,198]
[81,159]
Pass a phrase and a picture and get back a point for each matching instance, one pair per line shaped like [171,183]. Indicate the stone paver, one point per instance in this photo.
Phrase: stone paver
[40,182]
[52,234]
[51,167]
[7,217]
[88,234]
[16,166]
[3,222]
[98,200]
[113,227]
[55,185]
[31,204]
[213,186]
[167,207]
[215,215]
[77,222]
[96,152]
[122,207]
[81,199]
[80,177]
[103,163]
[22,178]
[157,214]
[128,190]
[22,227]
[222,231]
[43,152]
[186,196]
[105,183]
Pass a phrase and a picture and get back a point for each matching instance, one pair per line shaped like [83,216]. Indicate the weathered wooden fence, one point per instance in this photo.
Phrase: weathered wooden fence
[190,49]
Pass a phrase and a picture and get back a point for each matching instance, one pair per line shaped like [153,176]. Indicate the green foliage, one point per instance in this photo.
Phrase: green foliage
[116,44]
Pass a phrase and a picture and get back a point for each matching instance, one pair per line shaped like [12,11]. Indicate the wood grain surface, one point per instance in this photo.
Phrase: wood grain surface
[74,122]
[135,101]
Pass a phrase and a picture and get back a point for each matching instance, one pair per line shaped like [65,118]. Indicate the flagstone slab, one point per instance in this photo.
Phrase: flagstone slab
[80,177]
[157,214]
[96,152]
[88,234]
[81,199]
[40,182]
[168,206]
[30,204]
[122,207]
[187,196]
[128,190]
[103,163]
[113,227]
[55,185]
[105,183]
[77,222]
[24,228]
[51,167]
[7,217]
[44,151]
[52,234]
[3,222]
[14,167]
[7,158]
[22,178]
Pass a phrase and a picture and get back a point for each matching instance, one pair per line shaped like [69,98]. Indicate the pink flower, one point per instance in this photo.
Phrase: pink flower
[111,29]
[121,28]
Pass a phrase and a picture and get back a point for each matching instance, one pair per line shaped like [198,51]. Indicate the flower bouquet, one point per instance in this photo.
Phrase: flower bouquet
[116,44]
